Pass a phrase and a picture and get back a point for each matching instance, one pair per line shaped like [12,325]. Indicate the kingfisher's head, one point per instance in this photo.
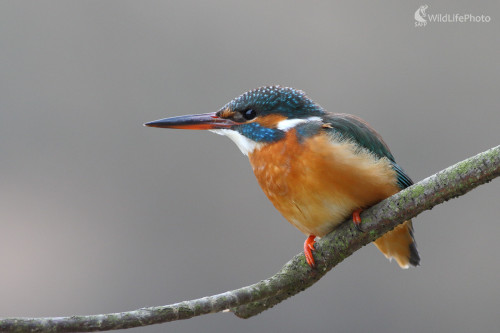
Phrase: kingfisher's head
[258,117]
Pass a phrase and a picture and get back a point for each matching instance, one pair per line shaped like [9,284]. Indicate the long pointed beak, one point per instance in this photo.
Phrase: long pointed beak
[204,121]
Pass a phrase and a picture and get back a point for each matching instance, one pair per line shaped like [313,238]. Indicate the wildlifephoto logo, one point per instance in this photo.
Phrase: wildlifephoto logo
[422,17]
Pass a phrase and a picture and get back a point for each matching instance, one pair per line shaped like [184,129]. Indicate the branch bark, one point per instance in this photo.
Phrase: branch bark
[295,276]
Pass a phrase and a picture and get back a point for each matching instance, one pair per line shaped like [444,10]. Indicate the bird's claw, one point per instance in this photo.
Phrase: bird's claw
[308,248]
[356,218]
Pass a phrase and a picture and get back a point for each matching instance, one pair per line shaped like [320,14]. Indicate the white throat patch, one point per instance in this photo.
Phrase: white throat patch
[245,144]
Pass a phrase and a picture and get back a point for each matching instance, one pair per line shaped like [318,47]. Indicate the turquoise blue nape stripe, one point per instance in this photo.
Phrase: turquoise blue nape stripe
[258,133]
[308,129]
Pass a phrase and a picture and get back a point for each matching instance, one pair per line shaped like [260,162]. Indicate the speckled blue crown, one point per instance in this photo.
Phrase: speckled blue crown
[287,101]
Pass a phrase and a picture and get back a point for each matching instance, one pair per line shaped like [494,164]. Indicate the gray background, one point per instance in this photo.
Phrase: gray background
[100,214]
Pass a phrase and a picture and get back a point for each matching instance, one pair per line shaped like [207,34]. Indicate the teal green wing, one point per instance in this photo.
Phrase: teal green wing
[350,127]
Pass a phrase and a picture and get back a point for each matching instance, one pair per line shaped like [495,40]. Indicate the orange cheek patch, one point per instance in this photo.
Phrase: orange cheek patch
[270,121]
[226,113]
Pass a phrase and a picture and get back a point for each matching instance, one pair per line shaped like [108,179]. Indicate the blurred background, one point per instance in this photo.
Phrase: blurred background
[100,214]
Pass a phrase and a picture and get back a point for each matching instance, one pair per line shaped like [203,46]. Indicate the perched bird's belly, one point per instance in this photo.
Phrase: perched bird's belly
[317,184]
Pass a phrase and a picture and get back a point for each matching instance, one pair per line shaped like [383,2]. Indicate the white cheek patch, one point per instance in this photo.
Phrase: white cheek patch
[245,144]
[288,124]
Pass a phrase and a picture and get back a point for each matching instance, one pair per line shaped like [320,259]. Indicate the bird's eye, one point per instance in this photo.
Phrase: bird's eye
[249,114]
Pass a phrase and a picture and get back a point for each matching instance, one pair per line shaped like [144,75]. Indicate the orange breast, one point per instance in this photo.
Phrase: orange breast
[317,184]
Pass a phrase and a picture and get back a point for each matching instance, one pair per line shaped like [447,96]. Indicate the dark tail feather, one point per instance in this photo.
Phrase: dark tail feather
[414,257]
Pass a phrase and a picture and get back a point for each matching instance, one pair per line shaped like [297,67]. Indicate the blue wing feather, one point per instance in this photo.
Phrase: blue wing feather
[404,180]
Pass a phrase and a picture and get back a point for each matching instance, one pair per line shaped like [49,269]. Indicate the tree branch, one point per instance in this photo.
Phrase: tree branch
[295,276]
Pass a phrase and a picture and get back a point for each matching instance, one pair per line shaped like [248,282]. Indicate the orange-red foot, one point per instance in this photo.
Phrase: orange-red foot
[308,248]
[357,219]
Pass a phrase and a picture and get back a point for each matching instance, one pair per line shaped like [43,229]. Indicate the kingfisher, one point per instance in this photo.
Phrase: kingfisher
[317,168]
